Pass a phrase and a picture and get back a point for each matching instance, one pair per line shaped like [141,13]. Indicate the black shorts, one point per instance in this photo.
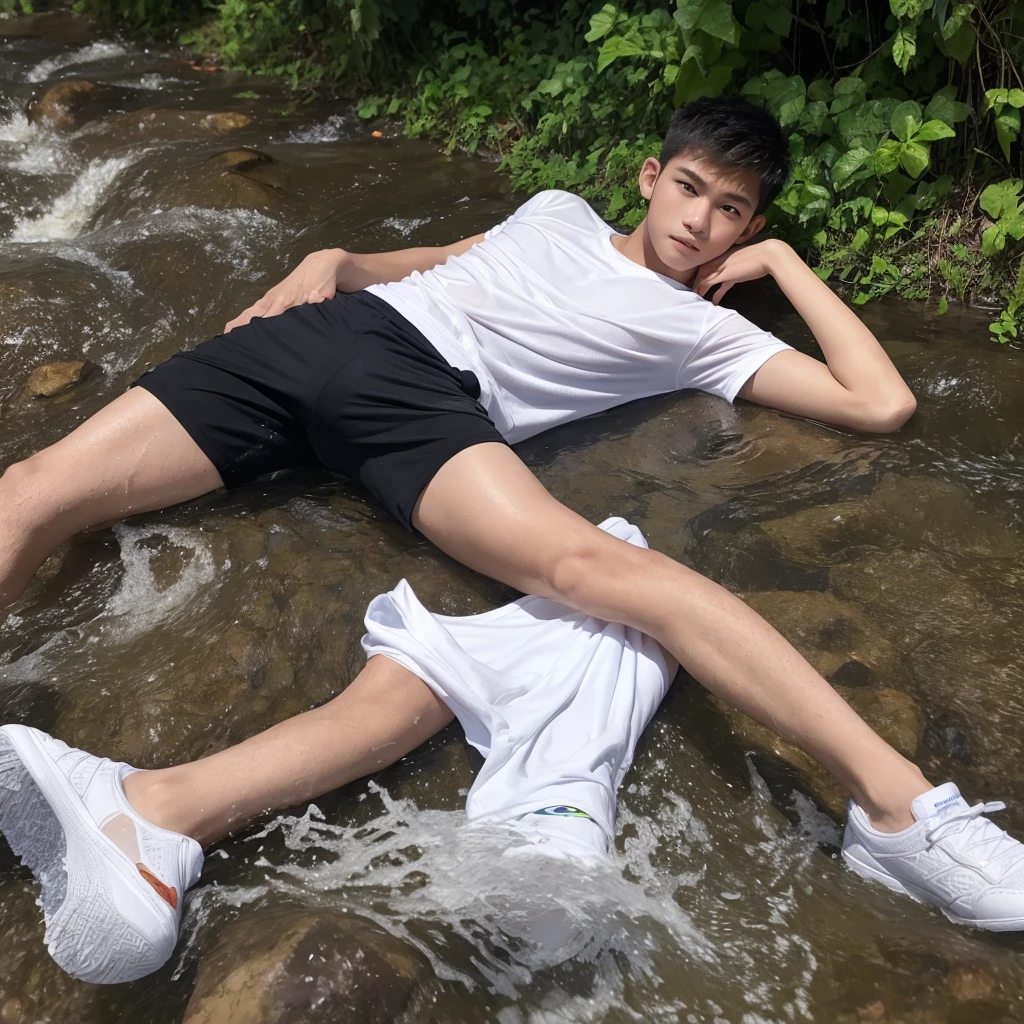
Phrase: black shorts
[348,384]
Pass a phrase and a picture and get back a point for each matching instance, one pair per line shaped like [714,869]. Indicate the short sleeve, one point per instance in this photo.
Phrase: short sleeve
[730,351]
[531,206]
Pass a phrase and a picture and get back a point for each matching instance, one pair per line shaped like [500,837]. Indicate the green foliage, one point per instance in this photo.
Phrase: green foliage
[904,118]
[15,6]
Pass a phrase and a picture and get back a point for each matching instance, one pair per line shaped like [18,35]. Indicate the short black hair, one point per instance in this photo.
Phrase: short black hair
[735,133]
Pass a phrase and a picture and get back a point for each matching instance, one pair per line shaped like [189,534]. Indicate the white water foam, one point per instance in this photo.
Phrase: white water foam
[70,213]
[405,226]
[86,55]
[33,148]
[140,603]
[338,126]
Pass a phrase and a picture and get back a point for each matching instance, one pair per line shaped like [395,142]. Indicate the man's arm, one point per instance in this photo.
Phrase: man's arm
[323,273]
[360,270]
[857,387]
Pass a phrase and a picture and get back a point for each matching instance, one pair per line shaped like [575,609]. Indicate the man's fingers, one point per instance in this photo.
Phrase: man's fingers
[721,291]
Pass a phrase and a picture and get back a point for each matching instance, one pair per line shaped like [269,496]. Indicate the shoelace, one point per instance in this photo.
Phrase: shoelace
[1004,849]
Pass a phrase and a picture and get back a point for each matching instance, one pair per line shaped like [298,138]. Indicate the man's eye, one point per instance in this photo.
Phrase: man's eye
[686,185]
[730,209]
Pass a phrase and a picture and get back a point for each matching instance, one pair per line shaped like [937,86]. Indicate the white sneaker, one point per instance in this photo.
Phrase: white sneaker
[952,858]
[112,882]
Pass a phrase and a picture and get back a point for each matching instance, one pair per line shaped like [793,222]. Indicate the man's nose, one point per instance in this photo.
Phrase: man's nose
[695,216]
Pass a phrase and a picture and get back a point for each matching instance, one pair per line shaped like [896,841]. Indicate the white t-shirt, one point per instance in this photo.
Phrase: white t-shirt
[554,699]
[558,324]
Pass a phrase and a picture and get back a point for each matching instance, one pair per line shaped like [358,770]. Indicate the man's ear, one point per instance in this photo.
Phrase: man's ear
[755,225]
[648,176]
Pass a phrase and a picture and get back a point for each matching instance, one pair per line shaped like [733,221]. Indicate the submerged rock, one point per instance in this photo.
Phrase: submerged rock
[52,378]
[832,635]
[311,969]
[66,104]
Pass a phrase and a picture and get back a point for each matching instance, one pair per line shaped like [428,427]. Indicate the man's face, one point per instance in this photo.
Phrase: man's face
[697,211]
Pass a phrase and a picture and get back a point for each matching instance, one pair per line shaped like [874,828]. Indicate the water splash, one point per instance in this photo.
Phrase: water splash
[86,55]
[141,601]
[70,213]
[338,126]
[33,148]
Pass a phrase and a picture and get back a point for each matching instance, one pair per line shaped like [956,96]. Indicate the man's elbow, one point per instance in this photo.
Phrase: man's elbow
[886,417]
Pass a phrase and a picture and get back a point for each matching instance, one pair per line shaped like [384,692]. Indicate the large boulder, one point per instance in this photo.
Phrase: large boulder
[305,968]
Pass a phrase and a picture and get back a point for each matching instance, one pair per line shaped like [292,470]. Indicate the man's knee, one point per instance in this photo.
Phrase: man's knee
[587,570]
[22,487]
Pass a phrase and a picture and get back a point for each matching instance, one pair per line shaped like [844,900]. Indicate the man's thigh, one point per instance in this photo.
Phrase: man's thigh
[487,510]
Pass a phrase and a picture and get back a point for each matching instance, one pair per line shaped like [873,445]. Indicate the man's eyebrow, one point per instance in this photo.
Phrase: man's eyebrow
[736,197]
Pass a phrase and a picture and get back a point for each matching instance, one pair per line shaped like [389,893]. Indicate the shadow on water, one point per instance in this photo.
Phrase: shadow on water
[140,221]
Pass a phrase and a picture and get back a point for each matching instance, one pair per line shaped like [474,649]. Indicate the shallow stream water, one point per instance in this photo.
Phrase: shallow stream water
[893,563]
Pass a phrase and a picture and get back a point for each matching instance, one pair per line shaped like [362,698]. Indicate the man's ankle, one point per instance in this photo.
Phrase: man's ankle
[156,797]
[888,809]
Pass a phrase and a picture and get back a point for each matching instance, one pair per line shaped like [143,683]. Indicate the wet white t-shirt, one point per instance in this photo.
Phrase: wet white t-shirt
[558,324]
[554,699]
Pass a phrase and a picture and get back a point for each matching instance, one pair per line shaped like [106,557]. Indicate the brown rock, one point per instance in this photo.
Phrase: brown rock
[52,378]
[970,983]
[68,103]
[274,968]
[829,633]
[830,534]
[225,121]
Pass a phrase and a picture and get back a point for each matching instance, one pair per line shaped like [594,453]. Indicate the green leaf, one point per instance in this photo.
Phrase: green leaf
[248,94]
[960,45]
[905,120]
[944,107]
[915,158]
[887,157]
[908,8]
[993,240]
[786,98]
[930,131]
[716,19]
[850,162]
[847,93]
[957,20]
[820,89]
[1015,97]
[779,20]
[1000,197]
[879,215]
[943,305]
[904,46]
[1007,129]
[615,47]
[861,238]
[602,23]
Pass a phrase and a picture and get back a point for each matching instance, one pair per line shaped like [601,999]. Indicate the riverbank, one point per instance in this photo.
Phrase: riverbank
[905,120]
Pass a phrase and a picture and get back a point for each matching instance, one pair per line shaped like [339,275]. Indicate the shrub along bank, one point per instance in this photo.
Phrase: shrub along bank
[904,117]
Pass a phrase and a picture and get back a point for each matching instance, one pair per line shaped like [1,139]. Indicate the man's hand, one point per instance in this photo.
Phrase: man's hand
[313,280]
[743,263]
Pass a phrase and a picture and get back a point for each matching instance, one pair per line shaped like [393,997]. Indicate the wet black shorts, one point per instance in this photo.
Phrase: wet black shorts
[347,383]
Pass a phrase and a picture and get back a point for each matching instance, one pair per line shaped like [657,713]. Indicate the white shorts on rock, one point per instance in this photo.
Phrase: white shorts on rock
[554,699]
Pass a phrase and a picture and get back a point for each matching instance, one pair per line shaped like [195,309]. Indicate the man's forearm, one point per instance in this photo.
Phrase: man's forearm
[852,352]
[360,270]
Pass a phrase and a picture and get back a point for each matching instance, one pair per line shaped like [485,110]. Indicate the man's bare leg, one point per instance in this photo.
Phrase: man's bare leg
[516,532]
[132,456]
[383,714]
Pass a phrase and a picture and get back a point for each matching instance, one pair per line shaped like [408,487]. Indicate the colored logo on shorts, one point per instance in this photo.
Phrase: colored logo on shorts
[563,811]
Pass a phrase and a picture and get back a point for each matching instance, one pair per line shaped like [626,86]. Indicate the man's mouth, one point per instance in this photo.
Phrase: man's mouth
[684,244]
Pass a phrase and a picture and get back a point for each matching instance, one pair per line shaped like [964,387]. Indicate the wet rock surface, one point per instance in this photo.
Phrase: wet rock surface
[53,378]
[311,969]
[162,205]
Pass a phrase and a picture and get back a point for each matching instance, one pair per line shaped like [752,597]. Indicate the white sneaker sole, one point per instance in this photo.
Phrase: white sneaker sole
[867,867]
[86,933]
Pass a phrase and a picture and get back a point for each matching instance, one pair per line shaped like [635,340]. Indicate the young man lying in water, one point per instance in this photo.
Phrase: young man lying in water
[412,371]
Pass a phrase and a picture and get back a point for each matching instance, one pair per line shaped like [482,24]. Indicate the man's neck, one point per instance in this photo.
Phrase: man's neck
[639,248]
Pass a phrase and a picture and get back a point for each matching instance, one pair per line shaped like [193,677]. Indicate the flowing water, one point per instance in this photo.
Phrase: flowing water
[892,562]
